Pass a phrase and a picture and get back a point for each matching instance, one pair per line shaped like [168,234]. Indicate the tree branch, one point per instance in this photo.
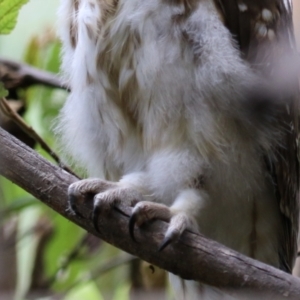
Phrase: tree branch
[18,75]
[193,257]
[19,121]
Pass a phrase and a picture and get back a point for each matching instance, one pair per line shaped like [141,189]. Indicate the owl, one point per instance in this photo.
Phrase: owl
[187,110]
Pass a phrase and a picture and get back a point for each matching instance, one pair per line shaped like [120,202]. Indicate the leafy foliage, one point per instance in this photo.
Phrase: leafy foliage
[9,10]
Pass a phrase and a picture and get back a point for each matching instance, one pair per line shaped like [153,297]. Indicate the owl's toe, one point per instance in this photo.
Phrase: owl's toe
[178,221]
[83,191]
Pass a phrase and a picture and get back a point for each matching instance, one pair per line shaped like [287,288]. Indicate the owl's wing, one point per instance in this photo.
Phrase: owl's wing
[264,32]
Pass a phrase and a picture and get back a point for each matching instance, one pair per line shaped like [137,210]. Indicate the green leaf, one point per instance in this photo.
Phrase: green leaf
[3,91]
[86,291]
[9,10]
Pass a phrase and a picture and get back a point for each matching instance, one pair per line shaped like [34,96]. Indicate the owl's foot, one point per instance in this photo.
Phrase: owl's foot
[178,221]
[105,195]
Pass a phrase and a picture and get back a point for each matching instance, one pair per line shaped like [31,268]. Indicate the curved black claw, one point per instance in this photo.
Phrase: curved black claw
[72,206]
[132,222]
[96,213]
[166,241]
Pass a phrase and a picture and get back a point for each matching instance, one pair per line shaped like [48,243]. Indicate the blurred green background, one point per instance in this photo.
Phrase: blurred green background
[34,18]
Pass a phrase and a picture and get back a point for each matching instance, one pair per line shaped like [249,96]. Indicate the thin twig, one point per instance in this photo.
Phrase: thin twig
[72,256]
[15,117]
[18,75]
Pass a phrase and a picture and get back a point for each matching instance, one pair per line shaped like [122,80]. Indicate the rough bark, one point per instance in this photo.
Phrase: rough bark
[193,257]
